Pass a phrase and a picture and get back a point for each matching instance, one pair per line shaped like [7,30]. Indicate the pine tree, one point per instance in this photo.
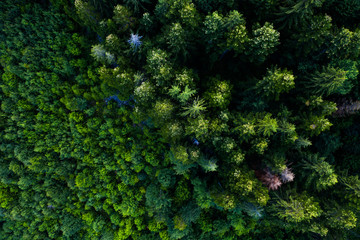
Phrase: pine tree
[297,208]
[326,82]
[87,14]
[267,126]
[208,164]
[195,109]
[341,218]
[275,82]
[101,55]
[298,10]
[263,43]
[321,174]
[177,40]
[219,94]
[123,18]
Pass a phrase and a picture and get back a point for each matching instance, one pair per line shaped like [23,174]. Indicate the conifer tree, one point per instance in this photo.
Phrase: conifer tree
[298,208]
[326,82]
[322,174]
[275,82]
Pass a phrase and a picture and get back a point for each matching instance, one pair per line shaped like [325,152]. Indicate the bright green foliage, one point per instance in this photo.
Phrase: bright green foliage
[181,95]
[179,223]
[219,94]
[159,67]
[232,27]
[319,106]
[316,124]
[144,92]
[163,111]
[176,9]
[172,131]
[84,179]
[237,34]
[345,44]
[263,43]
[6,196]
[199,127]
[195,109]
[237,38]
[244,183]
[180,153]
[275,82]
[214,26]
[267,126]
[176,39]
[298,208]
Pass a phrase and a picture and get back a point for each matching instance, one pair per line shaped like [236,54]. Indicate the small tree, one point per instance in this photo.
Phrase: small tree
[219,94]
[159,67]
[87,14]
[297,208]
[297,11]
[272,181]
[195,109]
[264,41]
[326,82]
[321,174]
[177,40]
[275,82]
[122,17]
[341,218]
[101,55]
[267,126]
[287,175]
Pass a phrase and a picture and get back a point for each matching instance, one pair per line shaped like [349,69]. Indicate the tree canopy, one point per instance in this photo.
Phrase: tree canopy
[179,119]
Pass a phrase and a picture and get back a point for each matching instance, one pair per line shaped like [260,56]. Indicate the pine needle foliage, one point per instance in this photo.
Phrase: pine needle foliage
[326,82]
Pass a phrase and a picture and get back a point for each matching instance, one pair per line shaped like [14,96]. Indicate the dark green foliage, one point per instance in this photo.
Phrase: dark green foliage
[166,178]
[322,174]
[326,82]
[297,10]
[346,11]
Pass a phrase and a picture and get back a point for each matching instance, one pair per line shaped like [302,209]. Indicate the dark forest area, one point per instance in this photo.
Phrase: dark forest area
[179,119]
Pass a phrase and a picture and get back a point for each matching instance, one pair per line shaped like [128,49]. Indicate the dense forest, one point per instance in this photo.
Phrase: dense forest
[179,119]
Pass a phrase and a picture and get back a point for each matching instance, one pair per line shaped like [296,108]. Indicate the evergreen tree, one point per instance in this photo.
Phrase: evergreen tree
[326,82]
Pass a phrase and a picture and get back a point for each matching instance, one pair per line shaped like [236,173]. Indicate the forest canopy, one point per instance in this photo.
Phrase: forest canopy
[179,119]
